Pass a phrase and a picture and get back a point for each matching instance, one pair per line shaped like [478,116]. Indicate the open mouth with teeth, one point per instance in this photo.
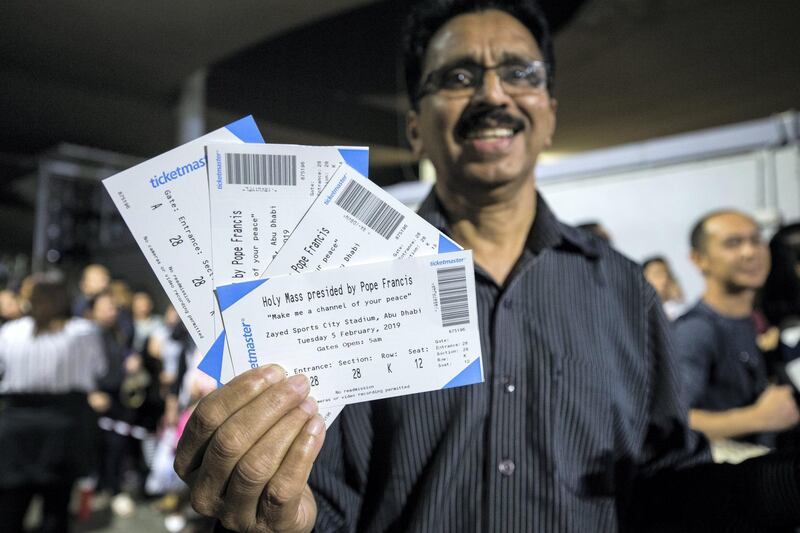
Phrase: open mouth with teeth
[489,141]
[490,133]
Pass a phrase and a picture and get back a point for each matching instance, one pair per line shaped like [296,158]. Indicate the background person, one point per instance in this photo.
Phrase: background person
[49,363]
[657,272]
[726,379]
[94,280]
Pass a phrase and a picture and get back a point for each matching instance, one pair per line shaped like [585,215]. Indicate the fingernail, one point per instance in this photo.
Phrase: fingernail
[309,405]
[273,374]
[299,382]
[315,425]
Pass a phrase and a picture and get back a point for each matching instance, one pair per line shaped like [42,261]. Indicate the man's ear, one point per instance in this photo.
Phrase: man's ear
[699,260]
[548,141]
[412,134]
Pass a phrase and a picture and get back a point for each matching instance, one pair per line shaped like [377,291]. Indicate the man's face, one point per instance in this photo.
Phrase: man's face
[95,280]
[142,305]
[734,254]
[487,138]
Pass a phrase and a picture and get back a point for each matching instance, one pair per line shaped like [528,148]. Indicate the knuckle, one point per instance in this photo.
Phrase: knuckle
[206,418]
[180,467]
[253,473]
[250,385]
[227,444]
[278,494]
[183,466]
[230,519]
[282,399]
[202,504]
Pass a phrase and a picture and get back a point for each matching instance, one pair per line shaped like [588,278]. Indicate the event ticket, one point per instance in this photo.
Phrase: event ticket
[164,202]
[258,195]
[362,333]
[353,221]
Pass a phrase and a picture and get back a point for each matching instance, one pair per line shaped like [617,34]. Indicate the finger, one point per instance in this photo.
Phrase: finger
[259,464]
[215,408]
[279,504]
[238,434]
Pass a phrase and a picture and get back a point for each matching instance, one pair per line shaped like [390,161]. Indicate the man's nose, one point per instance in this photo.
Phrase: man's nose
[491,89]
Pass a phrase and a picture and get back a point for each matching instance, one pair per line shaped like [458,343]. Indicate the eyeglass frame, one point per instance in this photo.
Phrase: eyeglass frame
[428,87]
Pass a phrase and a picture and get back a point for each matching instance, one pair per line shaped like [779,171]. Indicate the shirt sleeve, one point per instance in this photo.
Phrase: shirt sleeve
[669,442]
[339,477]
[694,350]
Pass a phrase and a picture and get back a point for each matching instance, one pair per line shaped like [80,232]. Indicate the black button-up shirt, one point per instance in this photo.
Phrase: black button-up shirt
[580,399]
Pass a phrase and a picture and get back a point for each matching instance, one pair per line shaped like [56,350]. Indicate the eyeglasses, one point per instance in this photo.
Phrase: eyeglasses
[455,81]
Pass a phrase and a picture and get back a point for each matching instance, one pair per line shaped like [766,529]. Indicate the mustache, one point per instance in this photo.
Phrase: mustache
[487,117]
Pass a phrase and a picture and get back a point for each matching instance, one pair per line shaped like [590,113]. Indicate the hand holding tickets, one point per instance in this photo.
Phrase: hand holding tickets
[248,449]
[399,318]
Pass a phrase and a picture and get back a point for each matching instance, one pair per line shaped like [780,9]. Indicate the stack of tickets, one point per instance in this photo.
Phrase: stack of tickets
[288,254]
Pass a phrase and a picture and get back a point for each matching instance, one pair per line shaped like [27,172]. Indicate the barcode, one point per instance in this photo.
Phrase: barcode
[369,209]
[453,299]
[261,169]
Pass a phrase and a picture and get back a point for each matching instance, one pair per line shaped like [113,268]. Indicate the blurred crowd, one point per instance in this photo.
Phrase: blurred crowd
[95,386]
[120,380]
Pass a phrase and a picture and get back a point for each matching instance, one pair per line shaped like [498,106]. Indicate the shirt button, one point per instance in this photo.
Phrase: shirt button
[509,386]
[506,467]
[744,357]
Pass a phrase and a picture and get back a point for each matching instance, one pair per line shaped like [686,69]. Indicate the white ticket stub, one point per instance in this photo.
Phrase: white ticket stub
[258,195]
[362,333]
[164,202]
[353,221]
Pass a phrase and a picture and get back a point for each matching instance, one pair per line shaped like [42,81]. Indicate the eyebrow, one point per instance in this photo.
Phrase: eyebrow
[743,236]
[467,60]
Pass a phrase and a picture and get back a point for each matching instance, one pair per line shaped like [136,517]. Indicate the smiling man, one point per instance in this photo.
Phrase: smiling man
[725,374]
[578,425]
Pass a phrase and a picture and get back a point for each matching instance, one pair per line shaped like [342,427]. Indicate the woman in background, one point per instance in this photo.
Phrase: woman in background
[49,365]
[658,273]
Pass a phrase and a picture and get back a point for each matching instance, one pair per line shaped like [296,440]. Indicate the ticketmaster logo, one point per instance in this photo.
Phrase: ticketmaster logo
[169,175]
[335,190]
[247,333]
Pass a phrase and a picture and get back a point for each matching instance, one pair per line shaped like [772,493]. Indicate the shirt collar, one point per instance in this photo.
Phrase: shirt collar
[547,231]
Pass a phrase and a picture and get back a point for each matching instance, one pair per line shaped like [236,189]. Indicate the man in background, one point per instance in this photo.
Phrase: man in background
[94,280]
[725,375]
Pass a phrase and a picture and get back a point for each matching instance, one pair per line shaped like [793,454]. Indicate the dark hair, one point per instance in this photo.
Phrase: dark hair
[780,296]
[655,259]
[49,300]
[698,235]
[427,16]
